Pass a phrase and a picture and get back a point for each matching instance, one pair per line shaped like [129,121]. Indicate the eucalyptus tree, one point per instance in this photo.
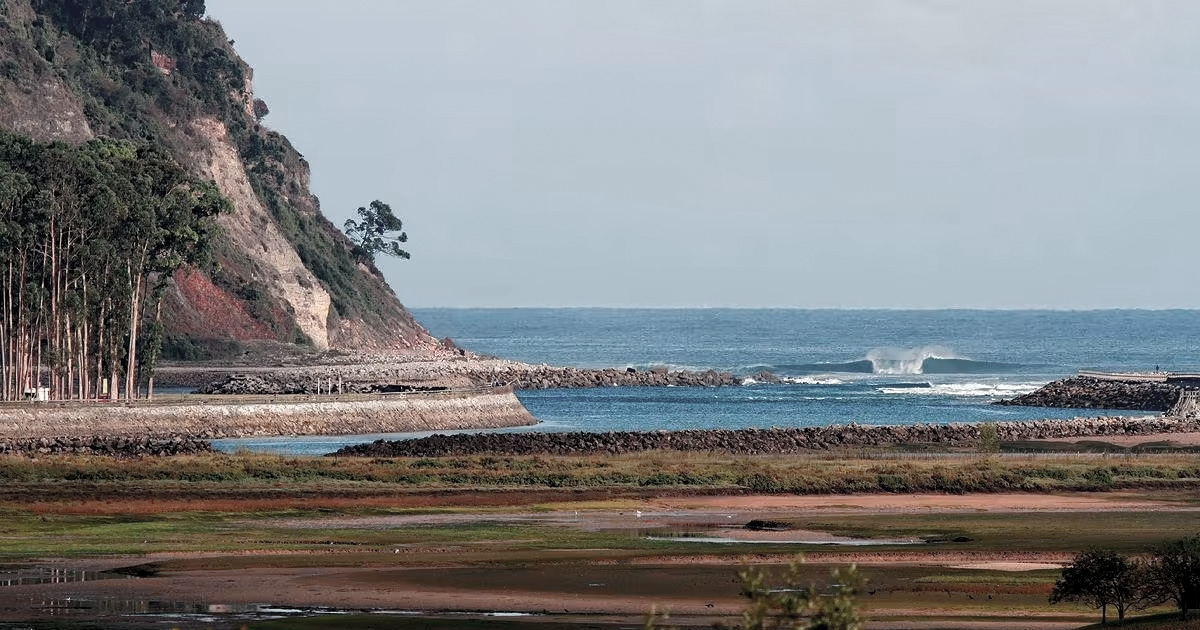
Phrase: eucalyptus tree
[89,237]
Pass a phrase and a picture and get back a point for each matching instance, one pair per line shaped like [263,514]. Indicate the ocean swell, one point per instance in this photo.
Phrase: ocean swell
[900,362]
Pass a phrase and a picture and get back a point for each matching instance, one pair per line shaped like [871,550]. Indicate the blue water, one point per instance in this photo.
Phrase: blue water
[863,366]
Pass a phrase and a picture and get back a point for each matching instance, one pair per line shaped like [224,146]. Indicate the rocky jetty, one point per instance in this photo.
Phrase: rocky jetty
[760,441]
[549,377]
[304,384]
[429,376]
[110,446]
[1086,392]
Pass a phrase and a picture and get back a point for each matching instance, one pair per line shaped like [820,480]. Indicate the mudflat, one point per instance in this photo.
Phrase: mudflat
[235,541]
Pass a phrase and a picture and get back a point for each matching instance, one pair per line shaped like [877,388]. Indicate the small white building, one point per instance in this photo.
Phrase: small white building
[37,394]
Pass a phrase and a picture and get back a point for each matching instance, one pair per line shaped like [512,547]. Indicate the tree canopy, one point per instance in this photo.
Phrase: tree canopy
[376,232]
[1101,578]
[89,236]
[1175,572]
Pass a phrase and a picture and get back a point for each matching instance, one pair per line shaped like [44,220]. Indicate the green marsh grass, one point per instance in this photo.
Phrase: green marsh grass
[799,474]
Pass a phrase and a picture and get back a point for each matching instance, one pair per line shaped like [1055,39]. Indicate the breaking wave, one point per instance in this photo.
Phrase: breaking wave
[994,390]
[902,361]
[812,380]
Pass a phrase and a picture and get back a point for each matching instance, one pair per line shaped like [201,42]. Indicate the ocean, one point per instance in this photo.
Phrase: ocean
[839,366]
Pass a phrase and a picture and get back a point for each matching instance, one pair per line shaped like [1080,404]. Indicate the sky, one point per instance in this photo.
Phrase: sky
[751,153]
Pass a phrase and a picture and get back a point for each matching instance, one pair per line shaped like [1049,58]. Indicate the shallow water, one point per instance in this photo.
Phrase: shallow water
[173,612]
[45,575]
[848,542]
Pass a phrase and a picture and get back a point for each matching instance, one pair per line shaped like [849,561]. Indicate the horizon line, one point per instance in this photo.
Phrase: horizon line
[1050,309]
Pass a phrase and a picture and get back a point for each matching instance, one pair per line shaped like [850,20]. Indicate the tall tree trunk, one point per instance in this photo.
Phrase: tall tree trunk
[22,332]
[100,340]
[134,312]
[150,372]
[6,389]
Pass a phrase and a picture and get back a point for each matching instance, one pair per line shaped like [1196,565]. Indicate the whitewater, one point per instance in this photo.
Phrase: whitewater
[836,366]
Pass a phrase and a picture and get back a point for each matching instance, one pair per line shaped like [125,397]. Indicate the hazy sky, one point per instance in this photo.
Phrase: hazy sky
[897,153]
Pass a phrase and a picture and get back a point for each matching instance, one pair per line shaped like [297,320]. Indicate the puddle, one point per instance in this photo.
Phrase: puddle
[757,540]
[166,608]
[46,575]
[211,613]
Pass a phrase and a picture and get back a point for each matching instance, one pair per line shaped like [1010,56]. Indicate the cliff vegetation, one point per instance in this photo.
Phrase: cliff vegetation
[160,73]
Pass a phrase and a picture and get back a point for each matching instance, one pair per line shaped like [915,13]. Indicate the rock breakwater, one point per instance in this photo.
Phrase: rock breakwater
[1085,392]
[456,373]
[760,441]
[549,377]
[110,446]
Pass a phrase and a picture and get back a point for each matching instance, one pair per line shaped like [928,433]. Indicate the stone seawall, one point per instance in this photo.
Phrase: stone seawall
[219,418]
[761,441]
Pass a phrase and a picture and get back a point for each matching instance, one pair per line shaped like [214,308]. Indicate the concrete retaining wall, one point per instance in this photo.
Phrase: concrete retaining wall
[216,419]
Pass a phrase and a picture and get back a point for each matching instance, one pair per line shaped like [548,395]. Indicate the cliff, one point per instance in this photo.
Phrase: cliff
[158,70]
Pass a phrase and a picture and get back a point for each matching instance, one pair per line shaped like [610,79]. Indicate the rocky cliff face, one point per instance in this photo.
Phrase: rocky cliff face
[157,70]
[251,231]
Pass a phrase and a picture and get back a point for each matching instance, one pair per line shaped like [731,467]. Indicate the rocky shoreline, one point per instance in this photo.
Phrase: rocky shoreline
[761,441]
[1086,392]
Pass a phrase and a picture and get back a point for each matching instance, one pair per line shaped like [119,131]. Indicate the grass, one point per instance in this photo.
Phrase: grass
[87,505]
[806,474]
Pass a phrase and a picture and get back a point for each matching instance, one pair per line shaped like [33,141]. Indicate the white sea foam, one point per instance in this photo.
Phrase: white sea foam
[670,367]
[995,390]
[813,380]
[906,360]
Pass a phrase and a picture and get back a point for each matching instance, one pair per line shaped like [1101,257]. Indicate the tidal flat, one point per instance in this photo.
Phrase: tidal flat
[227,541]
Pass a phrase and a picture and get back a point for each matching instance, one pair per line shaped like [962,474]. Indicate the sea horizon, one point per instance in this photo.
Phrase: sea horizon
[915,309]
